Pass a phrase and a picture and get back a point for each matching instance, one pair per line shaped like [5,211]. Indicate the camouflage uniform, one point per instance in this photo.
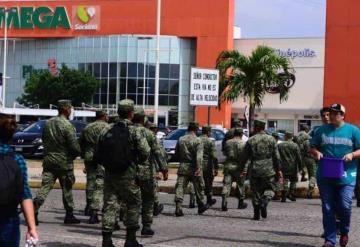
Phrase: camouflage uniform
[189,150]
[123,187]
[209,164]
[232,170]
[60,149]
[291,162]
[94,172]
[263,155]
[303,141]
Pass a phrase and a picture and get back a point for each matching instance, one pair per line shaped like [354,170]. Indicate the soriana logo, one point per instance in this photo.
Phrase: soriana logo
[86,17]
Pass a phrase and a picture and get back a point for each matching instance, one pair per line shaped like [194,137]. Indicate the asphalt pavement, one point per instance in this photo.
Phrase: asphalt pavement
[288,224]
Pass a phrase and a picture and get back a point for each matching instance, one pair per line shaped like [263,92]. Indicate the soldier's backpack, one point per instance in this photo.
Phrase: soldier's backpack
[113,151]
[11,183]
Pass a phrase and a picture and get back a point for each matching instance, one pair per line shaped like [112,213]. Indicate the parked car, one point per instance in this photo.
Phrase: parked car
[28,141]
[170,141]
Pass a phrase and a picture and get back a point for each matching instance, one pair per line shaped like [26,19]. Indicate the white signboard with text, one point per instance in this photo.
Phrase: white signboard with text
[204,87]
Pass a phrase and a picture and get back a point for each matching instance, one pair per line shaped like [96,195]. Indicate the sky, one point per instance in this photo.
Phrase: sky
[280,18]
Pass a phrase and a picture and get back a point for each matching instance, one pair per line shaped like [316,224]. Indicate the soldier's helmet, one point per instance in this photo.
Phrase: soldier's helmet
[193,125]
[126,105]
[289,135]
[259,123]
[206,129]
[139,111]
[64,103]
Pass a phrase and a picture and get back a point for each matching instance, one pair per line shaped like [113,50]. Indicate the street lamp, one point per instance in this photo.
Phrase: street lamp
[157,70]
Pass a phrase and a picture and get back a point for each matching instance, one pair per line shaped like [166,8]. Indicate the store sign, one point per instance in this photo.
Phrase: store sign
[86,17]
[35,17]
[292,53]
[204,87]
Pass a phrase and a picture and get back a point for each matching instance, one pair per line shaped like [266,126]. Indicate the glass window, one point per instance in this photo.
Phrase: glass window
[150,86]
[131,86]
[132,70]
[163,100]
[113,70]
[103,98]
[122,85]
[112,86]
[96,99]
[97,70]
[89,68]
[176,134]
[150,70]
[163,86]
[123,70]
[150,99]
[132,97]
[104,69]
[164,70]
[81,67]
[140,99]
[174,71]
[112,98]
[103,85]
[173,100]
[140,89]
[141,70]
[174,87]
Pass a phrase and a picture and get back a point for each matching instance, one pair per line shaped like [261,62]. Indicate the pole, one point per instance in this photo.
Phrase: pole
[157,72]
[144,83]
[209,114]
[5,57]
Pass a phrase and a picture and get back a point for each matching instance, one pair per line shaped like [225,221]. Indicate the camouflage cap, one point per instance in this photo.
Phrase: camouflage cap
[139,111]
[259,123]
[289,135]
[193,125]
[64,103]
[237,122]
[100,113]
[275,135]
[206,128]
[126,105]
[238,131]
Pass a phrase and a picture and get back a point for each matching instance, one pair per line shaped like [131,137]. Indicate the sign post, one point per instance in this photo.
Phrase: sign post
[204,88]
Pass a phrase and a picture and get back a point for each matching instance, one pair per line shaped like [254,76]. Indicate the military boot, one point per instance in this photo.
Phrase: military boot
[224,203]
[131,239]
[192,201]
[210,200]
[202,208]
[263,208]
[117,226]
[70,218]
[256,213]
[107,241]
[242,204]
[178,210]
[283,196]
[94,219]
[291,197]
[158,208]
[147,231]
[309,195]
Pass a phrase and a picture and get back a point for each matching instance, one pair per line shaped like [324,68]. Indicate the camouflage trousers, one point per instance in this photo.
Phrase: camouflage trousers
[191,191]
[208,180]
[116,190]
[94,186]
[262,189]
[310,165]
[229,178]
[182,184]
[66,180]
[156,191]
[292,180]
[147,188]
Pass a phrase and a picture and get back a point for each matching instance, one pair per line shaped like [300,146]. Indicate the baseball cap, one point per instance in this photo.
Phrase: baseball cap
[338,108]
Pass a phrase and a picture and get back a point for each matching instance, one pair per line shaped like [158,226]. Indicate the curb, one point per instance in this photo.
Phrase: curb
[300,192]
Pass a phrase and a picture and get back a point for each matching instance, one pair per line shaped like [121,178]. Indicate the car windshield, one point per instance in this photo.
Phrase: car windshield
[35,127]
[176,134]
[79,126]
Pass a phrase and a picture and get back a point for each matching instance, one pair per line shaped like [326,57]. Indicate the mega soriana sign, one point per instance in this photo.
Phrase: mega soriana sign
[43,17]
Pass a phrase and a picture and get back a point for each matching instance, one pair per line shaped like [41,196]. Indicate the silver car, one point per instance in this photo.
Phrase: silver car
[170,141]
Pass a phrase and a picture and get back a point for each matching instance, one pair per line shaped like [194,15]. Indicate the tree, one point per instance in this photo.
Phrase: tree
[262,72]
[43,88]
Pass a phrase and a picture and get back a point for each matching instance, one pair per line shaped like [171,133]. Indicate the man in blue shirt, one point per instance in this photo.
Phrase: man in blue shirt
[337,140]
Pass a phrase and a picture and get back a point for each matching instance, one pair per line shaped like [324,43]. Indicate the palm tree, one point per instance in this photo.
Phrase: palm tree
[262,72]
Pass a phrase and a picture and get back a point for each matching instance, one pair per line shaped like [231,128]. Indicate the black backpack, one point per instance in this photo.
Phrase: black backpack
[11,182]
[114,151]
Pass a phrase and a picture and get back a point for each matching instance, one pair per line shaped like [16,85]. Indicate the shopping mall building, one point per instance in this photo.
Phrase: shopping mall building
[115,41]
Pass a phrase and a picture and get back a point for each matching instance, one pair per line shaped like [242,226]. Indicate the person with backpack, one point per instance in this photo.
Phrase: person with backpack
[60,148]
[14,189]
[120,148]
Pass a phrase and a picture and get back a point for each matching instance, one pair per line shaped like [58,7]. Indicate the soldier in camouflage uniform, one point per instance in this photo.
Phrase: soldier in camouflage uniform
[210,163]
[277,188]
[232,170]
[123,186]
[146,172]
[94,172]
[189,151]
[303,141]
[291,163]
[263,155]
[60,149]
[230,134]
[160,168]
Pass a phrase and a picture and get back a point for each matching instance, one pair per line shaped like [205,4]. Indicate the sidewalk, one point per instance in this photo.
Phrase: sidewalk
[35,170]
